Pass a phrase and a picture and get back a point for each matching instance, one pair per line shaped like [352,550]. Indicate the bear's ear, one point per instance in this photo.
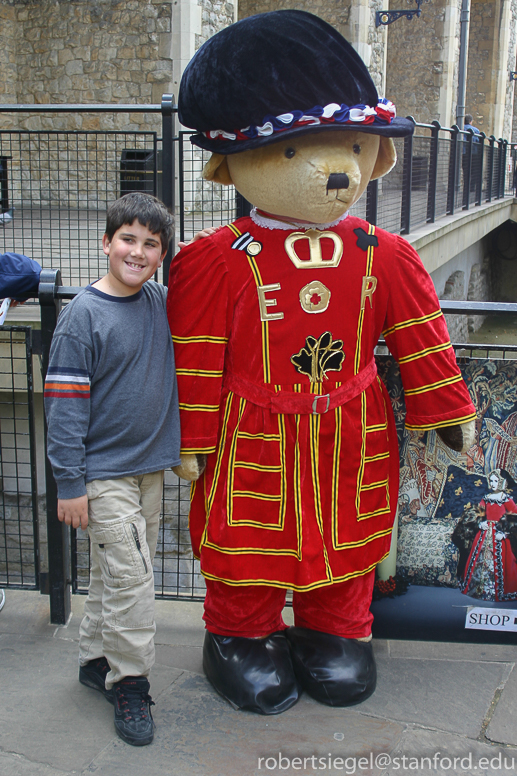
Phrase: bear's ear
[386,158]
[216,170]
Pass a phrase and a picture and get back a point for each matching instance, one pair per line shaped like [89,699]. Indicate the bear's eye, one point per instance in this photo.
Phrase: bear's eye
[357,149]
[289,153]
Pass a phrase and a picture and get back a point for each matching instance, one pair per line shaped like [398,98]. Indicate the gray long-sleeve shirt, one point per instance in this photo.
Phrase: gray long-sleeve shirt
[110,394]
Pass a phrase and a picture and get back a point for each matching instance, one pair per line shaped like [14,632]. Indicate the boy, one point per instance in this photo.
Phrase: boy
[113,427]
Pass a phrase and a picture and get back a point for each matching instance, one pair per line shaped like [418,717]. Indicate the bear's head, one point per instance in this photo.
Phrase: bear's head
[291,115]
[314,178]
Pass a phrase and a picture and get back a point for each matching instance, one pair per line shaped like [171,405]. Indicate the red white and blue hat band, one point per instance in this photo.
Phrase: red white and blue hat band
[361,115]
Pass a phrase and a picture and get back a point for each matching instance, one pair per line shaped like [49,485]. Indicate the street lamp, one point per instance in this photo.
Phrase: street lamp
[383,18]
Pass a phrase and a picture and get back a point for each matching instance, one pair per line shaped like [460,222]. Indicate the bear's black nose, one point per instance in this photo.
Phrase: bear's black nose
[338,180]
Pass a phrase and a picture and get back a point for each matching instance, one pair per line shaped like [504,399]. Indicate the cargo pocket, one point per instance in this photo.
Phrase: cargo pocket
[123,558]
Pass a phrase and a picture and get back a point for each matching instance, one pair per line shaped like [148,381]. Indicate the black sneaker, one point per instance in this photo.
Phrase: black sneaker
[133,718]
[93,674]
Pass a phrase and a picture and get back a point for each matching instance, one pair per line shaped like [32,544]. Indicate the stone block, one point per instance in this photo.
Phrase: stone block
[107,54]
[74,67]
[503,725]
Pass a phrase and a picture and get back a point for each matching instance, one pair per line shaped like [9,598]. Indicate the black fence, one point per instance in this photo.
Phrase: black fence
[19,524]
[55,186]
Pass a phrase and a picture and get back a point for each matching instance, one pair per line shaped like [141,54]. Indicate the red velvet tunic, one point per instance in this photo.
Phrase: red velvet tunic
[301,492]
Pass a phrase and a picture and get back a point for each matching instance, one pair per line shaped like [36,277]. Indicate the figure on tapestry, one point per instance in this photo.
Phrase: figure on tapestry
[487,533]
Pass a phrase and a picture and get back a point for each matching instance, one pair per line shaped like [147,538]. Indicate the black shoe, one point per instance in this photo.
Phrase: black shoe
[252,674]
[333,670]
[133,718]
[93,674]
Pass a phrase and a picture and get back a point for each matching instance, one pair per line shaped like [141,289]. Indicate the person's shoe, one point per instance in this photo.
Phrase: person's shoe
[133,718]
[333,670]
[93,674]
[252,674]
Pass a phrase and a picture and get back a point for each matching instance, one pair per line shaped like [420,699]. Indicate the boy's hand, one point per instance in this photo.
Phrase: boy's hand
[73,511]
[199,235]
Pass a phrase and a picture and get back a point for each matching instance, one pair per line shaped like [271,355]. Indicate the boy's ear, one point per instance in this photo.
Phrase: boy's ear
[106,244]
[386,158]
[216,170]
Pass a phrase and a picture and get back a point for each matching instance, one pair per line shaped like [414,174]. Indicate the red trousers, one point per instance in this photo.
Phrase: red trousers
[253,611]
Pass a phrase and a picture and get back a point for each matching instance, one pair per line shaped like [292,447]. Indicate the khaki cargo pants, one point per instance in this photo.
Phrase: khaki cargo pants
[118,621]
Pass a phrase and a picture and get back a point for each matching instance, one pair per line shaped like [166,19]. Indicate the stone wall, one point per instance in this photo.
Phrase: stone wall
[216,14]
[491,57]
[354,20]
[479,290]
[8,64]
[92,51]
[509,99]
[422,62]
[456,324]
[335,12]
[84,51]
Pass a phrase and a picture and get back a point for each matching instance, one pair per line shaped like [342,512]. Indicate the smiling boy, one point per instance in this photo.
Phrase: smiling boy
[113,427]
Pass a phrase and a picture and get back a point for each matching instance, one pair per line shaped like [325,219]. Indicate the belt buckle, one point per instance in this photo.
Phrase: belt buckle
[315,410]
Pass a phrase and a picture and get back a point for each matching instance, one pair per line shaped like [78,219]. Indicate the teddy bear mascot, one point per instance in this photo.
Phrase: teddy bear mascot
[287,429]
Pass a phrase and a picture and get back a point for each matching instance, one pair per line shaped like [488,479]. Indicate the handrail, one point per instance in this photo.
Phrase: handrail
[83,108]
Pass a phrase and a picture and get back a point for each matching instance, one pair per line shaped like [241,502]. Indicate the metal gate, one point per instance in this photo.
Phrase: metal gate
[19,532]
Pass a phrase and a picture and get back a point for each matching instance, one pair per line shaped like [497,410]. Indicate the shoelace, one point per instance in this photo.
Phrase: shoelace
[134,703]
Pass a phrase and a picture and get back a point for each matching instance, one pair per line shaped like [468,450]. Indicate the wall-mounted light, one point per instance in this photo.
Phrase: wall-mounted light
[388,17]
[513,75]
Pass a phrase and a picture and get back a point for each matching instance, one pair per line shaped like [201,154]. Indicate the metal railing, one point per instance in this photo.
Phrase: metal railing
[19,520]
[55,186]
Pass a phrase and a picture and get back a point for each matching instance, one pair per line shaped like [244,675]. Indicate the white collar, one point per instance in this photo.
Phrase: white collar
[501,497]
[272,223]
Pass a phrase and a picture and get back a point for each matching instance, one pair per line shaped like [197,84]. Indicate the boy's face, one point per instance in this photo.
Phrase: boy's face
[135,254]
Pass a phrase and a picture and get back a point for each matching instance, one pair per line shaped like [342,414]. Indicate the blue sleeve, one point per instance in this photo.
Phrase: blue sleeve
[67,408]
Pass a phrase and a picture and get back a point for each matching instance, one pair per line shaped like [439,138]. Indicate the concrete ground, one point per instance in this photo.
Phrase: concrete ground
[439,708]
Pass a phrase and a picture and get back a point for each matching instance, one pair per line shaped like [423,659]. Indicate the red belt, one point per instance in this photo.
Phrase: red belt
[289,402]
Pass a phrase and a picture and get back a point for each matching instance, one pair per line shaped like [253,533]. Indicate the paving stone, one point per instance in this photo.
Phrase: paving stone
[447,695]
[503,725]
[181,657]
[59,721]
[16,765]
[440,650]
[430,698]
[428,752]
[26,612]
[179,623]
[199,733]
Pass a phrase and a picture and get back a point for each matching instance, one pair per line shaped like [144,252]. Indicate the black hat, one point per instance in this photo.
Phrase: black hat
[275,75]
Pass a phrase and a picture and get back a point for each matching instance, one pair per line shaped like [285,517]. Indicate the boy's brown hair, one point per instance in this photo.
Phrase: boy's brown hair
[147,210]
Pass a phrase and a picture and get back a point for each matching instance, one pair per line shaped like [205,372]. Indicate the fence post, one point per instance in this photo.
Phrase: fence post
[451,188]
[503,153]
[467,172]
[479,182]
[168,170]
[491,168]
[58,534]
[407,180]
[372,199]
[433,173]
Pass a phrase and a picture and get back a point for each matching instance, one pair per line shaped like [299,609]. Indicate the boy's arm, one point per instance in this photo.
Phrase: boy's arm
[67,408]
